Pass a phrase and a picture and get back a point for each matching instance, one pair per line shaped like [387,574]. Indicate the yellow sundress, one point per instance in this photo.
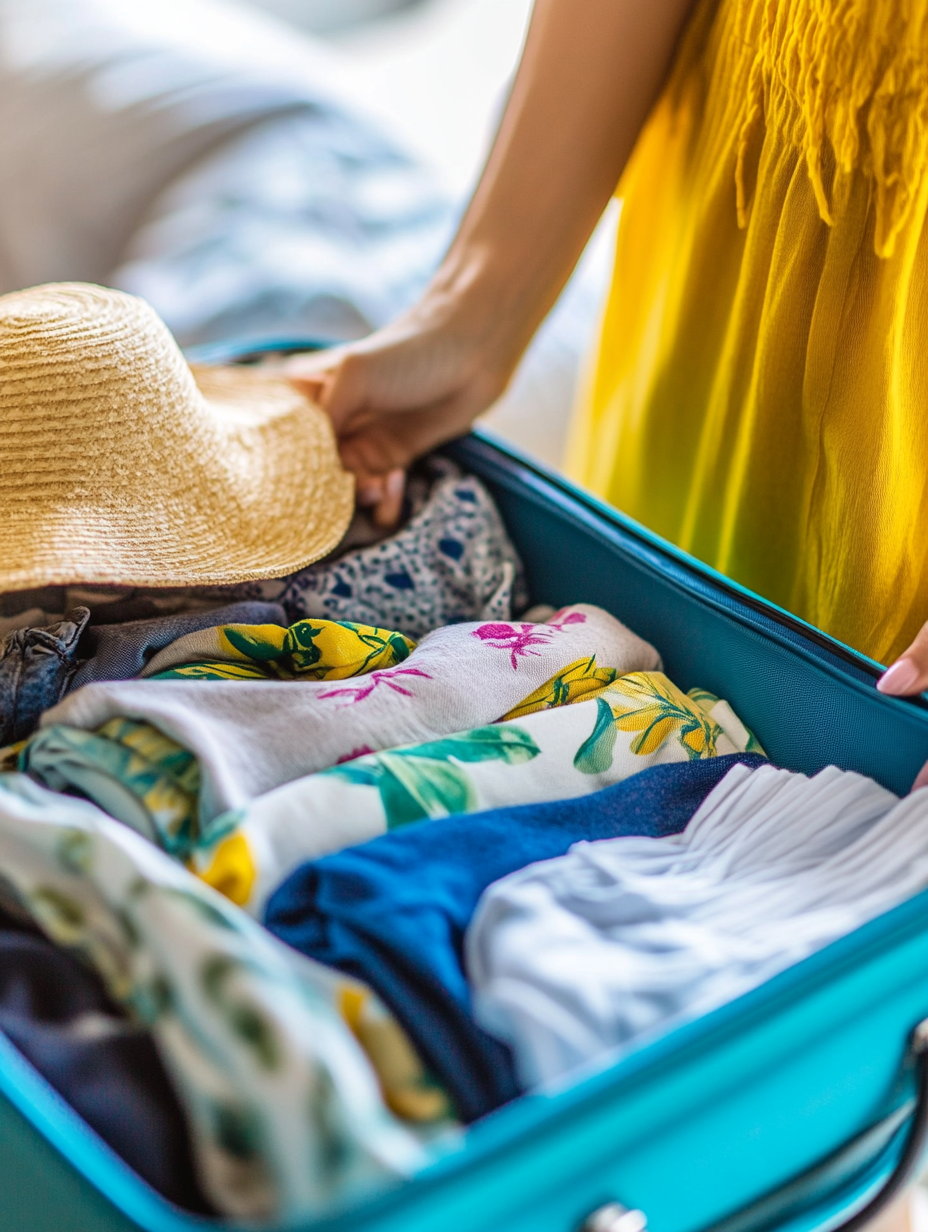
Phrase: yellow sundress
[760,391]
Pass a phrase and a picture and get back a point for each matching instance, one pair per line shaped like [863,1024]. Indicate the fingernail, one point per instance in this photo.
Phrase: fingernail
[921,779]
[900,678]
[395,481]
[370,494]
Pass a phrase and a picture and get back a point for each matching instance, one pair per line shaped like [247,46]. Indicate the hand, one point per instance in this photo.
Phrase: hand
[908,676]
[587,79]
[398,394]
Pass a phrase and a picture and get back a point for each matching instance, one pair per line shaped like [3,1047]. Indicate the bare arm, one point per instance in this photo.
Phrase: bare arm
[588,76]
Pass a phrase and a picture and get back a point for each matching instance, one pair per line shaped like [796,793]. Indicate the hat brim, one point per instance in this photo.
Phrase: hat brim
[267,498]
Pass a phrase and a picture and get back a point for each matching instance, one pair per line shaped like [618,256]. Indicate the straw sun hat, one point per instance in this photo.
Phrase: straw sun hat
[120,464]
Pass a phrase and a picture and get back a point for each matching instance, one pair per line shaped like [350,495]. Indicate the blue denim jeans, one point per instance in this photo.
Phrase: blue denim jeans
[36,666]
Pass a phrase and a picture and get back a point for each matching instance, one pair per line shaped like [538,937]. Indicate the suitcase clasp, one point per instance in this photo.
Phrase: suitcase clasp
[614,1217]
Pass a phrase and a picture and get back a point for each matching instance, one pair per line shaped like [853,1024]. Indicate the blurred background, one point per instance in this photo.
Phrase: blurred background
[267,169]
[439,71]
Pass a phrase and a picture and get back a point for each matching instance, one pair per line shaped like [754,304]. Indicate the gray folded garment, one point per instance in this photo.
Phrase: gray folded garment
[121,651]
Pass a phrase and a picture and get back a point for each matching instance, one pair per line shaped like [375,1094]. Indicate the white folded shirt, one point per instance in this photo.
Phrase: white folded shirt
[572,957]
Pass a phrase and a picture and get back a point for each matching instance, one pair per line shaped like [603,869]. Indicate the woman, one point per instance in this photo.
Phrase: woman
[760,394]
[761,384]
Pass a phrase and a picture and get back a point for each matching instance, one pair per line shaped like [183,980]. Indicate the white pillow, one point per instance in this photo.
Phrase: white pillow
[103,102]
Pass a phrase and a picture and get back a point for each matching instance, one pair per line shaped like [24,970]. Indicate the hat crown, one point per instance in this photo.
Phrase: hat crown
[98,369]
[120,464]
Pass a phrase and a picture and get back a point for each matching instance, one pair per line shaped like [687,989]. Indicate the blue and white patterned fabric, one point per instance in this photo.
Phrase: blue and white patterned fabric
[453,561]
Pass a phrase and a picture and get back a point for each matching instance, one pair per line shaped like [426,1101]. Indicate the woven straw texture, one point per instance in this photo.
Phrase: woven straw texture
[121,464]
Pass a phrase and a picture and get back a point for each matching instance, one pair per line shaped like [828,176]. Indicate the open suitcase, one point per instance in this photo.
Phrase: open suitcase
[788,1108]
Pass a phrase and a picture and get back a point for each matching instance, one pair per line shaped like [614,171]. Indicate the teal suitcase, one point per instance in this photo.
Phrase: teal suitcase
[791,1108]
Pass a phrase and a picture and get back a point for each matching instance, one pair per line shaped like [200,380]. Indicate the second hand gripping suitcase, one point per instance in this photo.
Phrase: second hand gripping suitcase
[788,1108]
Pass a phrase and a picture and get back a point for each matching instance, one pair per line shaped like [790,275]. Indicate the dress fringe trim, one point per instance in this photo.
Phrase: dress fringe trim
[856,72]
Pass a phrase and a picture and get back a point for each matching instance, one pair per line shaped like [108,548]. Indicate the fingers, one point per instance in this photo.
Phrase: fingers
[909,674]
[393,441]
[313,388]
[379,454]
[382,405]
[310,373]
[383,495]
[333,379]
[388,509]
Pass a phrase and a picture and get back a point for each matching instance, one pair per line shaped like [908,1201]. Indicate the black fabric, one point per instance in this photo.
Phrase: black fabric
[59,1016]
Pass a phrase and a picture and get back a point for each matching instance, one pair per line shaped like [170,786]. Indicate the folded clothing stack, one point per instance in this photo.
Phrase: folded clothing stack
[361,911]
[577,956]
[496,850]
[565,707]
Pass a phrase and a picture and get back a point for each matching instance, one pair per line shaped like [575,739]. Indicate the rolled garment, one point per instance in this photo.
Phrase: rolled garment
[121,651]
[58,1014]
[137,774]
[128,769]
[251,736]
[140,776]
[544,756]
[284,1110]
[393,911]
[308,650]
[574,957]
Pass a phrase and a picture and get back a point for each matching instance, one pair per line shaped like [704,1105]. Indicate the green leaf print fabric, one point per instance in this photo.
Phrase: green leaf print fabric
[639,721]
[131,770]
[426,779]
[252,735]
[284,1109]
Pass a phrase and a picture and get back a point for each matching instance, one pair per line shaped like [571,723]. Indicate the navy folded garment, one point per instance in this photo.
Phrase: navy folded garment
[59,1016]
[394,911]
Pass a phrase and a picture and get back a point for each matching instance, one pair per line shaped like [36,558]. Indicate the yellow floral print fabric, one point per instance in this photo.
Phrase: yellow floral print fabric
[579,681]
[307,650]
[409,1090]
[659,714]
[759,389]
[652,706]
